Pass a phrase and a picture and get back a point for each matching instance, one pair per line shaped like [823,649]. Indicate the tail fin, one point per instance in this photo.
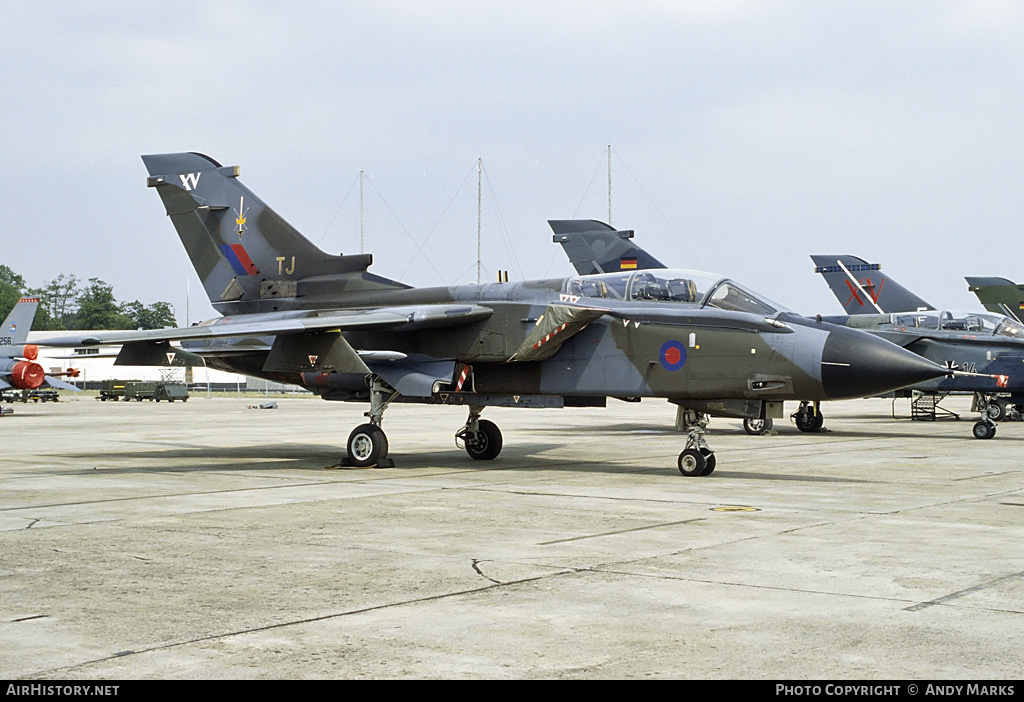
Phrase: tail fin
[16,327]
[248,257]
[595,247]
[862,289]
[999,295]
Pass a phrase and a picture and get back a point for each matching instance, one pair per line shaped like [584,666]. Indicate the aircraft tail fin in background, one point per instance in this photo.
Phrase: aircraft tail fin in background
[16,327]
[862,288]
[595,247]
[18,366]
[999,295]
[248,257]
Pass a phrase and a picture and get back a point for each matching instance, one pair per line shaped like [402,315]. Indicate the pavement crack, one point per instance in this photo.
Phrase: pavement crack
[30,617]
[476,567]
[621,531]
[961,593]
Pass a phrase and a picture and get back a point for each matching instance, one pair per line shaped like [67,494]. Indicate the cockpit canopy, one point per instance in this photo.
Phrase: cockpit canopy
[672,286]
[957,320]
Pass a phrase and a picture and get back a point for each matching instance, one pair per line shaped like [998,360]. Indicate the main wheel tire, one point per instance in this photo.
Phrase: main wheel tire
[996,411]
[984,430]
[485,444]
[757,427]
[366,445]
[692,463]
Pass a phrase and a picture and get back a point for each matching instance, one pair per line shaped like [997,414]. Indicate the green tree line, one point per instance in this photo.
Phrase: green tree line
[67,303]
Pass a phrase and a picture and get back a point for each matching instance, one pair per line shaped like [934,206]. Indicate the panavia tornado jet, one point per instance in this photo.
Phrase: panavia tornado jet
[18,367]
[986,350]
[296,314]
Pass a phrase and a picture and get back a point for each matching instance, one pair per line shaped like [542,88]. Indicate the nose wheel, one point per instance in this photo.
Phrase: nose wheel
[991,411]
[696,462]
[984,430]
[808,417]
[697,458]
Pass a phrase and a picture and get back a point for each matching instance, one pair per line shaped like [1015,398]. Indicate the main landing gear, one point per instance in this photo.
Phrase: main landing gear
[697,458]
[480,438]
[808,417]
[368,444]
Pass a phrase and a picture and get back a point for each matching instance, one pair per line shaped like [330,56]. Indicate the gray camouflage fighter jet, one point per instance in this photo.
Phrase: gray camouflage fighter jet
[986,364]
[986,349]
[298,315]
[18,367]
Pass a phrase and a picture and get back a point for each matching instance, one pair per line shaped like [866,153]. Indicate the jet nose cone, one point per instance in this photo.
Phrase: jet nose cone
[858,364]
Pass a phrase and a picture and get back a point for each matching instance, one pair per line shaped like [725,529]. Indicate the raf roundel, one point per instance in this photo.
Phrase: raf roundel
[672,355]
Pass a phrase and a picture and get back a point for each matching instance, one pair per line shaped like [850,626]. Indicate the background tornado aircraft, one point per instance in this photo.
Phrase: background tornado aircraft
[18,367]
[987,348]
[999,295]
[296,314]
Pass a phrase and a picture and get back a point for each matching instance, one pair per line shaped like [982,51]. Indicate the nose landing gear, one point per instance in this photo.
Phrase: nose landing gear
[990,409]
[697,458]
[808,417]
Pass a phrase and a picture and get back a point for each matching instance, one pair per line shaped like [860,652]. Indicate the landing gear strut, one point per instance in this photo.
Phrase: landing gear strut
[697,458]
[808,417]
[480,437]
[368,444]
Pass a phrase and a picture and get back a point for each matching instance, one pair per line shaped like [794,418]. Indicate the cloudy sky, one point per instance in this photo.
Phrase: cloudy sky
[745,134]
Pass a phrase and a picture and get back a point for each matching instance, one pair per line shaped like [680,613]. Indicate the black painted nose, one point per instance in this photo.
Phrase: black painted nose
[859,364]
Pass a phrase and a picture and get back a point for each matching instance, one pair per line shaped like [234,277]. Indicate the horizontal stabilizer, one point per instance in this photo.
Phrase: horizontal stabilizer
[60,384]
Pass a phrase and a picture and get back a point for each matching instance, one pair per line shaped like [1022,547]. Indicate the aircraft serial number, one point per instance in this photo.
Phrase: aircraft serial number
[5,341]
[969,367]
